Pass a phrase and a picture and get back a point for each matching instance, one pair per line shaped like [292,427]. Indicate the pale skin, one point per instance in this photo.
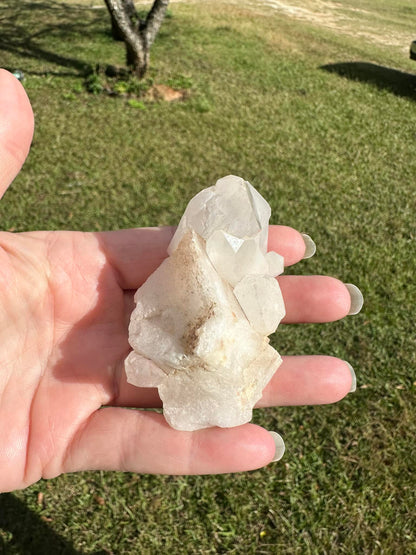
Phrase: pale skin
[65,303]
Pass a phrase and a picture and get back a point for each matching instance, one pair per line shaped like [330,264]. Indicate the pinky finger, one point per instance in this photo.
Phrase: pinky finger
[141,441]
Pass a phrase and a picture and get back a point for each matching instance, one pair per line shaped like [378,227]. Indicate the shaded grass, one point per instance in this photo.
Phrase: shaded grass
[335,158]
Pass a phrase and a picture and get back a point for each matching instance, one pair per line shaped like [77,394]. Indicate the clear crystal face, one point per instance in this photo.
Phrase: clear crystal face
[232,205]
[262,302]
[200,326]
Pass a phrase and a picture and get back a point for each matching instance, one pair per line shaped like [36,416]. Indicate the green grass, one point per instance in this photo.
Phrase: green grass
[334,155]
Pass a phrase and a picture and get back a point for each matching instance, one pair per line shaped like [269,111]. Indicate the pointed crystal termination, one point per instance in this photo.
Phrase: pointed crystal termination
[200,326]
[231,205]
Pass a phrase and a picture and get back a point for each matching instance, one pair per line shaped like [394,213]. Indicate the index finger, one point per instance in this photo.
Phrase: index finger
[288,242]
[136,253]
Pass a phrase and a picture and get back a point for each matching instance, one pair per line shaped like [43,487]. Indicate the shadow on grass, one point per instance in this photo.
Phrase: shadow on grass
[29,533]
[393,80]
[47,32]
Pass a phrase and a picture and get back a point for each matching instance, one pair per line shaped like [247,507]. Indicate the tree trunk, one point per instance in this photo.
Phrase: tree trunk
[154,20]
[137,58]
[137,36]
[131,14]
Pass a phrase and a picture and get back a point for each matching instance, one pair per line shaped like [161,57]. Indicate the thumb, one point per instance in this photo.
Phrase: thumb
[16,128]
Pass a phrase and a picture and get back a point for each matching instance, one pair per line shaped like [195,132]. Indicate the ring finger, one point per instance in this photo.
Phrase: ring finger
[300,380]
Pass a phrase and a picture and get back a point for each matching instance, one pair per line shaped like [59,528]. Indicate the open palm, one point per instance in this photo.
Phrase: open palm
[65,304]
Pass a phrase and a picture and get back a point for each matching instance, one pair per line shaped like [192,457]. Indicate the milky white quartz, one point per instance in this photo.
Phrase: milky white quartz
[199,329]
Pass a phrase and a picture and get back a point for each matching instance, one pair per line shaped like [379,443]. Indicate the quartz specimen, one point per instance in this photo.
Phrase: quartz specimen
[199,329]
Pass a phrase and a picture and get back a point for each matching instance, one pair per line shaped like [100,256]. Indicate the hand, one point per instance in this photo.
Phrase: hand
[65,304]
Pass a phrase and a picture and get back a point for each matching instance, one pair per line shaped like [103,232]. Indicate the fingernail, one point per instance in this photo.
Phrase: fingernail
[357,299]
[310,247]
[279,446]
[353,377]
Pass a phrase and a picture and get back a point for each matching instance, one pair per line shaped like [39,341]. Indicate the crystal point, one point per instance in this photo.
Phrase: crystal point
[275,263]
[262,302]
[199,329]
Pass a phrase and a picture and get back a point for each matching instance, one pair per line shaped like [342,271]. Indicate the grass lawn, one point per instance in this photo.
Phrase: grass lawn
[321,121]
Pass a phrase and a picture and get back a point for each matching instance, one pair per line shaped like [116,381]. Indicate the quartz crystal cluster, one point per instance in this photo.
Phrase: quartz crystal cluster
[199,331]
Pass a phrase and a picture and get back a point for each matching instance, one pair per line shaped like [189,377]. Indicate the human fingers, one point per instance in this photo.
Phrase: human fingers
[291,244]
[318,299]
[309,380]
[308,299]
[299,380]
[142,441]
[136,253]
[16,128]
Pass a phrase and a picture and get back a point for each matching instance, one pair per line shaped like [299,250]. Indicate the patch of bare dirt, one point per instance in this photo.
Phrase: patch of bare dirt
[165,93]
[329,14]
[334,15]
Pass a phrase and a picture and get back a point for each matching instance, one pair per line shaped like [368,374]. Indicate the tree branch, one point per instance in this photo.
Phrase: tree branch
[154,20]
[116,9]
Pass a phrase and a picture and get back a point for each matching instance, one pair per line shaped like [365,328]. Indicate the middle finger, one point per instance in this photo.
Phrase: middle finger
[314,299]
[308,299]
